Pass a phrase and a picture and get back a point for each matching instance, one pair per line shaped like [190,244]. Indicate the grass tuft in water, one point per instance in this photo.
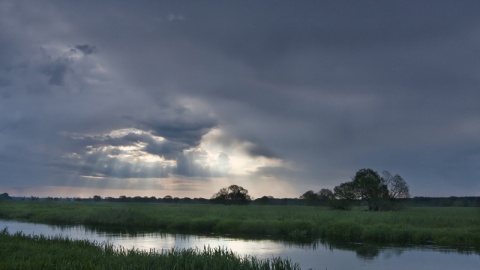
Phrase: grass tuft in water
[19,251]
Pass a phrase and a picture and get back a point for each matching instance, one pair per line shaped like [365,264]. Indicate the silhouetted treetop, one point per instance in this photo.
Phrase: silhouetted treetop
[5,196]
[397,187]
[232,195]
[379,192]
[309,195]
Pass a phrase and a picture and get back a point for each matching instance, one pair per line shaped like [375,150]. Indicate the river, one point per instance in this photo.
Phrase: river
[315,255]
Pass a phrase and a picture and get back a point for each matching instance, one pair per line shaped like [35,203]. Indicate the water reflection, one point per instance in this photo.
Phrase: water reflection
[316,254]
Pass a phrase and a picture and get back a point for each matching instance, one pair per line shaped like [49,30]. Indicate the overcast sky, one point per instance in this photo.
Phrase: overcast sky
[182,98]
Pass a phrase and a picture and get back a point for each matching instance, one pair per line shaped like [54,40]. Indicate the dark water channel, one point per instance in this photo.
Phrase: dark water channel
[316,255]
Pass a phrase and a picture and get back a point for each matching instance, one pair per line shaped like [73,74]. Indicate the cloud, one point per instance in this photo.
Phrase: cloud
[173,17]
[135,153]
[259,151]
[86,49]
[304,93]
[56,71]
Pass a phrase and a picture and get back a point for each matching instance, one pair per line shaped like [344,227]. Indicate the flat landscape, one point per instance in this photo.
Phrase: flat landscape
[456,227]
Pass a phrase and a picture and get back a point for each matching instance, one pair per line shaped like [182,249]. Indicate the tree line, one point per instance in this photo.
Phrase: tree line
[367,187]
[466,201]
[379,192]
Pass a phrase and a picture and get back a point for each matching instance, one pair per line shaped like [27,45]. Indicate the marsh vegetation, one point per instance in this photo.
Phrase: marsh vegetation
[452,226]
[39,252]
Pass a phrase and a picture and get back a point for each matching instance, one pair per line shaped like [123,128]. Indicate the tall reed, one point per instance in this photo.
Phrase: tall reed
[19,251]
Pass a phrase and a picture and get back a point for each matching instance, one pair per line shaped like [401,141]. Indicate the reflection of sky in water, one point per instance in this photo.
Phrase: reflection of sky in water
[318,256]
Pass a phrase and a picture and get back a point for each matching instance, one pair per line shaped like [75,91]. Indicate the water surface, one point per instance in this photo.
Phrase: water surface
[316,255]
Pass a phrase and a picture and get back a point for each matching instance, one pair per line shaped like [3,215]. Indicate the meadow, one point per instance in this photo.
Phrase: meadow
[38,252]
[457,227]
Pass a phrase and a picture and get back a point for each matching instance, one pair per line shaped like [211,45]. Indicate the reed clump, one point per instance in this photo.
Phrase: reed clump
[19,251]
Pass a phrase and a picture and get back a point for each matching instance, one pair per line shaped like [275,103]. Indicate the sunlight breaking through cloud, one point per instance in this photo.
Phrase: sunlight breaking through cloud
[124,154]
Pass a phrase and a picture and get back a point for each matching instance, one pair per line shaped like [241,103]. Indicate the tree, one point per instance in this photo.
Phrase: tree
[309,195]
[325,194]
[232,195]
[5,196]
[264,200]
[345,191]
[343,196]
[397,187]
[379,192]
[369,186]
[221,195]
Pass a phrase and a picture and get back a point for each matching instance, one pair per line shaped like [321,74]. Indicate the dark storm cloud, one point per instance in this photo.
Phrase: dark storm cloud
[86,49]
[330,87]
[187,128]
[260,151]
[56,71]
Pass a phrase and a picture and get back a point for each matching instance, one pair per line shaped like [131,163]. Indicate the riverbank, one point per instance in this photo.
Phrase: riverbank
[40,252]
[453,227]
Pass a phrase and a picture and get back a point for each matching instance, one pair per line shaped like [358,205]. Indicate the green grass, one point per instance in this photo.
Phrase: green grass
[446,226]
[18,251]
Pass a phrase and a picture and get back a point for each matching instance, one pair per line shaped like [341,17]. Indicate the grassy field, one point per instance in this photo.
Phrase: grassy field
[18,251]
[446,226]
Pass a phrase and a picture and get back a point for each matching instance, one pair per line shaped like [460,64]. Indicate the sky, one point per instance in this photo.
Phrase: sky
[182,98]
